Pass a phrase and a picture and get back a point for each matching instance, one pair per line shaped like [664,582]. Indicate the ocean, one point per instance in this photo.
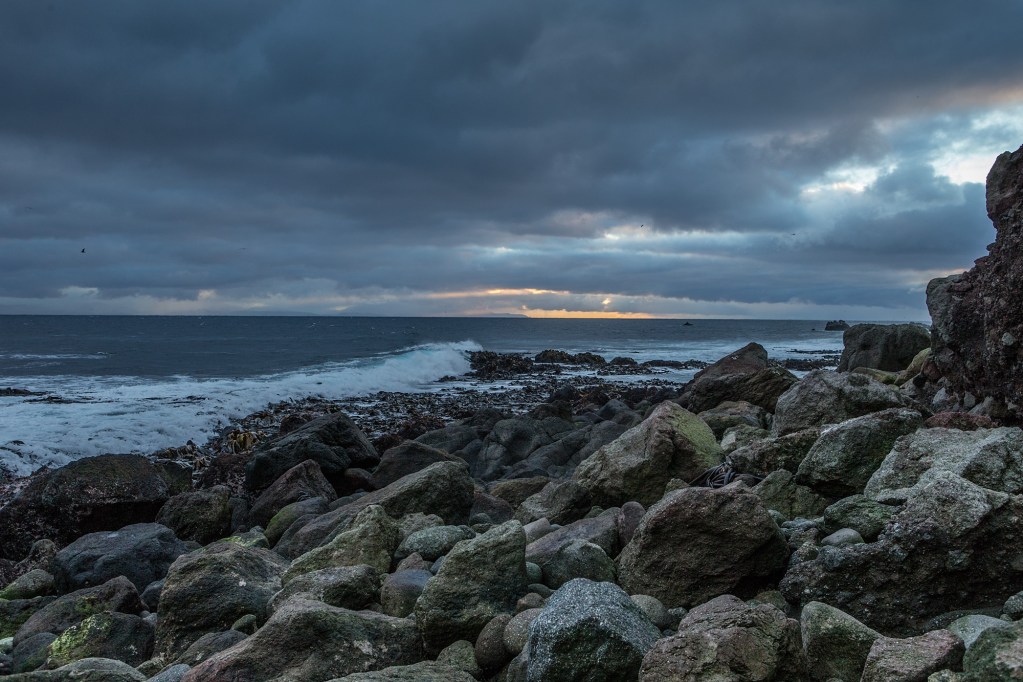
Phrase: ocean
[139,384]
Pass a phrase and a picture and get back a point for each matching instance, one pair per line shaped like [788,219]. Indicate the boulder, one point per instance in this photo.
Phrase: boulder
[977,323]
[913,658]
[15,612]
[515,491]
[589,631]
[371,540]
[88,495]
[516,633]
[444,489]
[85,670]
[836,644]
[823,397]
[347,587]
[31,654]
[889,347]
[201,515]
[670,443]
[301,482]
[208,590]
[117,636]
[333,441]
[35,583]
[780,492]
[953,546]
[559,502]
[860,513]
[282,520]
[577,559]
[490,651]
[728,639]
[401,590]
[997,654]
[478,579]
[408,458]
[434,542]
[601,530]
[846,455]
[141,552]
[742,375]
[991,458]
[310,641]
[207,646]
[117,594]
[699,543]
[732,413]
[425,671]
[511,441]
[771,454]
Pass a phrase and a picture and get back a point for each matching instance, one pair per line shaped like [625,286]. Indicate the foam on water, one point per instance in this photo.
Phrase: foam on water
[133,414]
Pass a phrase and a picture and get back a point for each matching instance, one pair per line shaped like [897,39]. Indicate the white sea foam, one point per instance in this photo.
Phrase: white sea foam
[134,414]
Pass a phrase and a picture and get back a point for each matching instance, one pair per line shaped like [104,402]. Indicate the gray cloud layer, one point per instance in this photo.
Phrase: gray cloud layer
[383,157]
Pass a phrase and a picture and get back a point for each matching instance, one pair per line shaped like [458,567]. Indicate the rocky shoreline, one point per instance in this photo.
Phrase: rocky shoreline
[859,524]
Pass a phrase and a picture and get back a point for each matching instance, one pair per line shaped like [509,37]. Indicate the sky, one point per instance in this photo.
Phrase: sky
[787,159]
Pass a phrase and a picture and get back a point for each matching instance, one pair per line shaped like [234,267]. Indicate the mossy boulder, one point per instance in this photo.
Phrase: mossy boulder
[14,613]
[670,443]
[117,594]
[118,636]
[370,540]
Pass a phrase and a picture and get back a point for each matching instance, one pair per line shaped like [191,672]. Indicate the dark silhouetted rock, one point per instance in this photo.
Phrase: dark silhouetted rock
[333,441]
[141,552]
[889,347]
[742,375]
[977,318]
[201,515]
[88,495]
[408,458]
[301,482]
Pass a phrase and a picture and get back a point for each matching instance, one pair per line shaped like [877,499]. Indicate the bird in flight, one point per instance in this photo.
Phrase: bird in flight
[83,250]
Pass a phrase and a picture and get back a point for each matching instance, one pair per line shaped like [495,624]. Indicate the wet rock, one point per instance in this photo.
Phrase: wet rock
[889,347]
[88,495]
[822,397]
[589,631]
[846,455]
[141,552]
[742,375]
[333,441]
[698,543]
[117,594]
[208,590]
[201,515]
[670,443]
[301,482]
[728,639]
[310,640]
[479,579]
[348,587]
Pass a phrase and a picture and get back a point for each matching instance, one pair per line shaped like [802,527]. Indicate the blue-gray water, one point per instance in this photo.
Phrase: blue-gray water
[137,384]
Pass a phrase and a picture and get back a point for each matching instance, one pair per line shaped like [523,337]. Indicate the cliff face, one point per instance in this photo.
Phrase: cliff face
[977,332]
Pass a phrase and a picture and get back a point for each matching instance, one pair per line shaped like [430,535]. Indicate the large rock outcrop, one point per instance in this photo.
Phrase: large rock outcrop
[977,321]
[745,374]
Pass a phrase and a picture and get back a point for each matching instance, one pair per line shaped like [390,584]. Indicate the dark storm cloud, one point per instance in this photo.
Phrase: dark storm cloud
[267,149]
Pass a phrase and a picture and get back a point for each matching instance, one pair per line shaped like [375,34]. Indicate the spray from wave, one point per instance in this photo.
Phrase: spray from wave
[133,414]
